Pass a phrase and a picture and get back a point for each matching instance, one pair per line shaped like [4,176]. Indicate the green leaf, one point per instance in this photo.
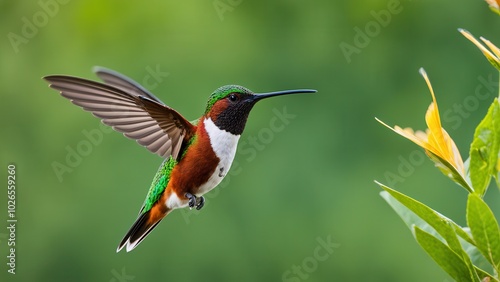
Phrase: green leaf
[443,225]
[484,229]
[483,274]
[484,150]
[494,62]
[414,212]
[408,217]
[497,174]
[495,10]
[449,261]
[482,265]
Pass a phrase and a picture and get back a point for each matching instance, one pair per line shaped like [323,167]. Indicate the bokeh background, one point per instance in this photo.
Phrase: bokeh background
[293,187]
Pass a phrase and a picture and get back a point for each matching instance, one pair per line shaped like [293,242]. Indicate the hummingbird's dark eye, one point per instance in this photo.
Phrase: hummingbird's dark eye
[233,97]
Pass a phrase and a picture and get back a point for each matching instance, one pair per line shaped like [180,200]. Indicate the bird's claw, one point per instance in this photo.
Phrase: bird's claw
[192,199]
[199,202]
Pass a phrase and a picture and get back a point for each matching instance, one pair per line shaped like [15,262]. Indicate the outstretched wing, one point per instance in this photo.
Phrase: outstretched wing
[129,109]
[123,82]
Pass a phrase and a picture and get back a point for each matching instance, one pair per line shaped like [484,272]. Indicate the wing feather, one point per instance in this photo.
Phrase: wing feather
[123,82]
[129,109]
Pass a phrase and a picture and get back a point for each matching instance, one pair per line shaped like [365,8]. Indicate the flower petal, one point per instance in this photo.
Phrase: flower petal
[435,136]
[494,5]
[439,141]
[495,61]
[407,133]
[492,46]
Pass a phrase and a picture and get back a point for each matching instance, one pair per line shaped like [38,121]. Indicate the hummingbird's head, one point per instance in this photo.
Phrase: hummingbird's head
[229,106]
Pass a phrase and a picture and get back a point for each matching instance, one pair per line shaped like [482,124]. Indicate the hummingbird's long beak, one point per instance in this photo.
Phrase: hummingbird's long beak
[261,96]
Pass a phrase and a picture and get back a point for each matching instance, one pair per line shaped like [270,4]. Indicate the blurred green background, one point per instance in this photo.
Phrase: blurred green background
[309,182]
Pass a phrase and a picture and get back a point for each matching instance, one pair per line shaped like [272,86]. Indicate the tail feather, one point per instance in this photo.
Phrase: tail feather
[143,225]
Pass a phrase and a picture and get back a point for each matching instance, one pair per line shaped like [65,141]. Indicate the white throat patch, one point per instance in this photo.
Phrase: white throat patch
[224,145]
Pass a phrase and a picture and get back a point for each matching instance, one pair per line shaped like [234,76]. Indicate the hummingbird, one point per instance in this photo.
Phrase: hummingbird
[197,155]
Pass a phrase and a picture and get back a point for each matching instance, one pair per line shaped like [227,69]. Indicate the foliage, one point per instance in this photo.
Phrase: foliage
[466,253]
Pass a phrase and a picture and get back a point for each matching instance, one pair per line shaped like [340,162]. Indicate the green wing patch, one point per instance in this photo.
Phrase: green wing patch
[159,184]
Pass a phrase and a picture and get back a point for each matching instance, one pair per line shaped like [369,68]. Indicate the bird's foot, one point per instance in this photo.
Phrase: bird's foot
[199,202]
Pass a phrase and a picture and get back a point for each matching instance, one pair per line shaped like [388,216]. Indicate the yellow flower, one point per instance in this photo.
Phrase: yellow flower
[493,58]
[437,143]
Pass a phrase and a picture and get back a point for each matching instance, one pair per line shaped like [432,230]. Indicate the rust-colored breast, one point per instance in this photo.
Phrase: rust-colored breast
[196,167]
